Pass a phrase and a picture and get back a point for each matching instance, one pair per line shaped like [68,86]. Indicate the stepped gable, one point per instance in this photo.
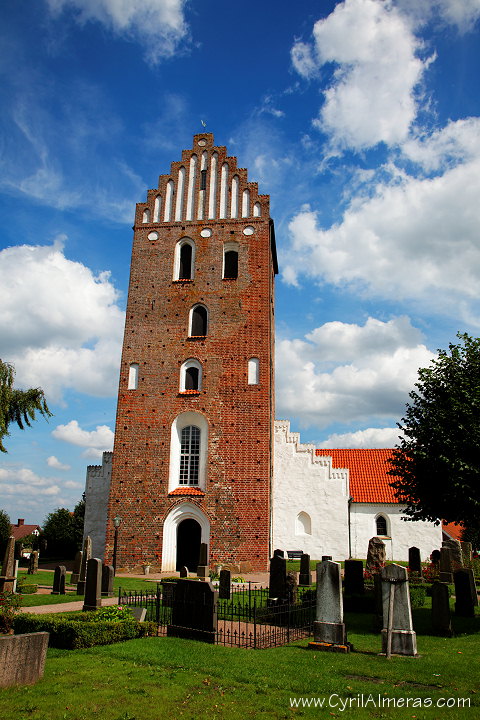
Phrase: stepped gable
[369,481]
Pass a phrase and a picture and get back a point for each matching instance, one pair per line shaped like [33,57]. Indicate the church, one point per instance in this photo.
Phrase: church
[198,454]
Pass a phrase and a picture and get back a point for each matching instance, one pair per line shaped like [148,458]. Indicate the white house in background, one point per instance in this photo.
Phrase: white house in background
[331,502]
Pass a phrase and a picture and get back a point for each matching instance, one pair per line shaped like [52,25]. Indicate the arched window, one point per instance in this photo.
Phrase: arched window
[303,525]
[198,321]
[146,216]
[257,210]
[189,455]
[133,376]
[382,526]
[156,209]
[184,267]
[191,376]
[188,451]
[230,261]
[253,371]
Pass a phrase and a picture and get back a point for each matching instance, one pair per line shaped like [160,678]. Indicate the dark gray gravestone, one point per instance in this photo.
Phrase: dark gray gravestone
[59,580]
[278,578]
[202,568]
[33,563]
[398,635]
[184,572]
[168,593]
[466,551]
[464,604]
[305,573]
[456,553]
[224,585]
[353,581]
[414,560]
[291,587]
[329,628]
[75,577]
[435,557]
[473,587]
[441,616]
[446,565]
[108,573]
[194,612]
[376,555]
[87,554]
[279,553]
[93,585]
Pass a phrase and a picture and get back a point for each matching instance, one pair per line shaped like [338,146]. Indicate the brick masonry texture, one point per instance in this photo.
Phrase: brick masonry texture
[240,416]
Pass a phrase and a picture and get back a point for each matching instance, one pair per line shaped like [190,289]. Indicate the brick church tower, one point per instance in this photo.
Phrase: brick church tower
[193,451]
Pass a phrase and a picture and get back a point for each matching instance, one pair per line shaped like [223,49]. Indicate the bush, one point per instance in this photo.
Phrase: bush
[27,588]
[71,631]
[417,597]
[9,604]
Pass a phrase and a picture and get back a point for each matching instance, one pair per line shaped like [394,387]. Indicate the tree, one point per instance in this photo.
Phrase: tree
[63,531]
[18,406]
[437,464]
[5,532]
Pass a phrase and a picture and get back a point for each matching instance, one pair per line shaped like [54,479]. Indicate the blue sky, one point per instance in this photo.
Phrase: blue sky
[361,120]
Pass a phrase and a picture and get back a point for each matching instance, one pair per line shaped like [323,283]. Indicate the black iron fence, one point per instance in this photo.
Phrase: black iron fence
[248,618]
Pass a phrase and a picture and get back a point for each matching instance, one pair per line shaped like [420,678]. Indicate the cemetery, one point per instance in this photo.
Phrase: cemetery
[359,626]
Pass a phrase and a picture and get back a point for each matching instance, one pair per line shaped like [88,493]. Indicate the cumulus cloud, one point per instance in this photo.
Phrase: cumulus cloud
[369,438]
[462,14]
[414,238]
[346,373]
[60,324]
[54,462]
[158,25]
[24,482]
[96,441]
[371,97]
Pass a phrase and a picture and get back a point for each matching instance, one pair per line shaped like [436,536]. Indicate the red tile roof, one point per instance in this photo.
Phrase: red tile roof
[369,482]
[21,531]
[188,490]
[452,530]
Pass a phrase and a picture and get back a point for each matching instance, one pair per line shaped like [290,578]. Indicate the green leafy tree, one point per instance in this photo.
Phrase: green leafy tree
[18,406]
[437,464]
[5,532]
[63,531]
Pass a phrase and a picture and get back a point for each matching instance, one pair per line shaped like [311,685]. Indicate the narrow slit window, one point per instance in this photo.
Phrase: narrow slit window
[185,272]
[253,371]
[191,378]
[230,269]
[198,325]
[133,376]
[203,180]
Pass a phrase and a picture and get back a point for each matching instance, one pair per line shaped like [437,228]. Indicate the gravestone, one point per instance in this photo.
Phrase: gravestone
[75,577]
[377,603]
[414,560]
[279,553]
[59,580]
[33,563]
[203,570]
[108,574]
[305,573]
[466,551]
[446,565]
[15,575]
[329,628]
[376,555]
[224,584]
[7,578]
[464,602]
[473,586]
[138,613]
[456,553]
[277,586]
[22,658]
[184,572]
[353,581]
[291,587]
[435,557]
[194,611]
[326,557]
[398,635]
[441,616]
[93,585]
[86,555]
[168,593]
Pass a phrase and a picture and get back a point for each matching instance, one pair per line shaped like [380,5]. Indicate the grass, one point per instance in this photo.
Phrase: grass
[157,678]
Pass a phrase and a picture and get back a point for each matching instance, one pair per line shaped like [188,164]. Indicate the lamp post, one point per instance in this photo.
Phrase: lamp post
[117,522]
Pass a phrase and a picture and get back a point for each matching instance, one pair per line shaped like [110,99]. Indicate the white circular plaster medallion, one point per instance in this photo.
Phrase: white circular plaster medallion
[153,236]
[206,232]
[249,230]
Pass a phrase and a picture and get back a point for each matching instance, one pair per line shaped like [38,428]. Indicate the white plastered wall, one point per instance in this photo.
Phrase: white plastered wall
[305,483]
[97,488]
[402,534]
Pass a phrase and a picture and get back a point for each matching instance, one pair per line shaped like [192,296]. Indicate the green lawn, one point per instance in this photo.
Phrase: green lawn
[158,678]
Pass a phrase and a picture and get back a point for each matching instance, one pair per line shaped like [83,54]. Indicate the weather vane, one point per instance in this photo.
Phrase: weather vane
[203,123]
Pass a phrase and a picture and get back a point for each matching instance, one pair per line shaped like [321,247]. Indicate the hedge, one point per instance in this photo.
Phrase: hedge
[25,589]
[71,631]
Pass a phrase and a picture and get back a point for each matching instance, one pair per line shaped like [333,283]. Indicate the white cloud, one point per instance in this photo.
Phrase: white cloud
[463,14]
[54,462]
[346,373]
[369,438]
[371,98]
[24,482]
[413,238]
[100,439]
[60,324]
[158,25]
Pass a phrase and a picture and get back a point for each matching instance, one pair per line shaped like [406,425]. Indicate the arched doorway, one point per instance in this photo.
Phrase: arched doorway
[171,535]
[189,537]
